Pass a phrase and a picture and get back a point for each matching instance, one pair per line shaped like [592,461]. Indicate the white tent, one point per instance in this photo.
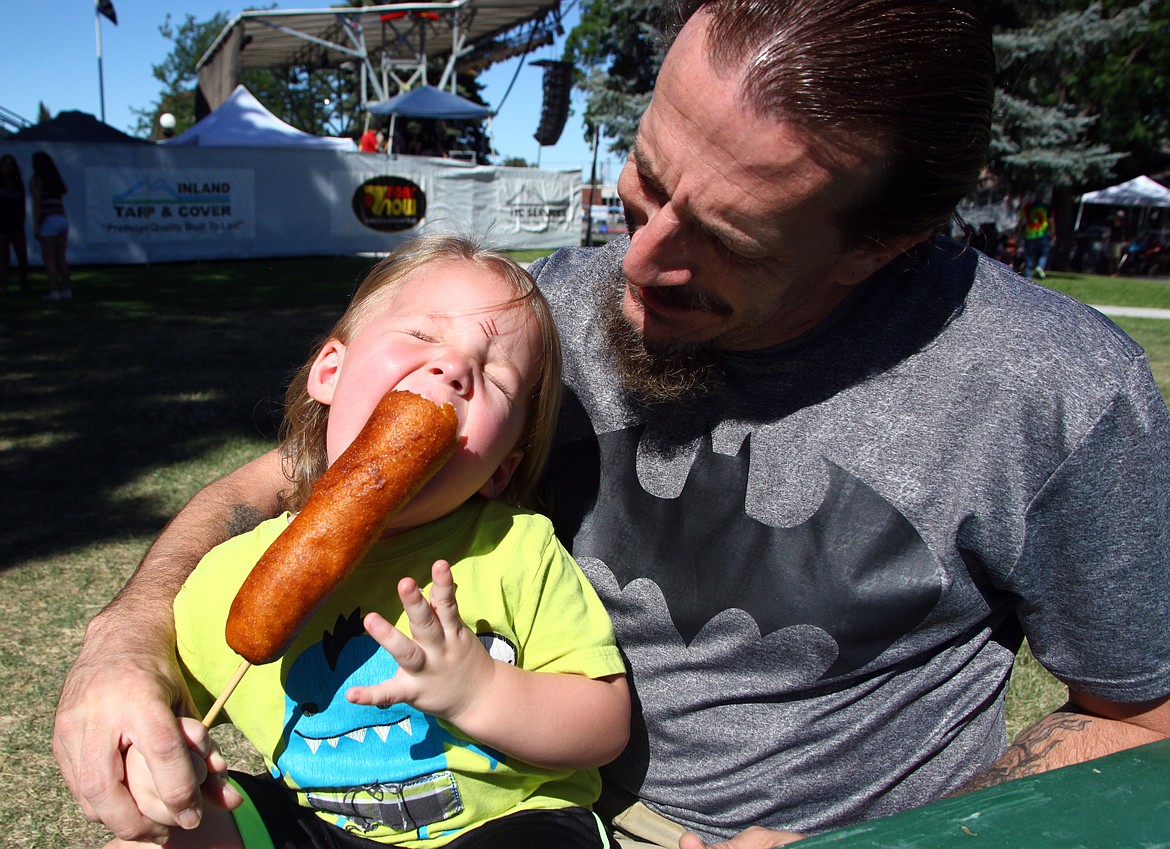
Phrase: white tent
[242,121]
[1140,191]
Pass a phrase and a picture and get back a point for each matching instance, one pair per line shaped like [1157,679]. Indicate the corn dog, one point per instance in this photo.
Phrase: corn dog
[405,441]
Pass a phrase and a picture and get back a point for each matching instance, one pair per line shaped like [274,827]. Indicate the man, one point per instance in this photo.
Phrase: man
[823,469]
[1036,228]
[1118,241]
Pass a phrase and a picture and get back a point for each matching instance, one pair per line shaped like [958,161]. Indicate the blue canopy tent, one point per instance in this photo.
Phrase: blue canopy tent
[427,102]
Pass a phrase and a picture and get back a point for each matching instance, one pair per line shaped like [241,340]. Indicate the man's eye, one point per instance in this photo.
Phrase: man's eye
[725,250]
[652,187]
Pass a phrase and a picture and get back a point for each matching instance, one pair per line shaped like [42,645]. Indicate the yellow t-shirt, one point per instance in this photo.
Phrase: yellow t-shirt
[396,775]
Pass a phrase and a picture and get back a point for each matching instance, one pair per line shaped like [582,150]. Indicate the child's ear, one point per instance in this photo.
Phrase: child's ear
[325,370]
[502,476]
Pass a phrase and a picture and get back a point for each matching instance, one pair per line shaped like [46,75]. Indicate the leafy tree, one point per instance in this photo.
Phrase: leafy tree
[316,100]
[618,51]
[177,71]
[1073,107]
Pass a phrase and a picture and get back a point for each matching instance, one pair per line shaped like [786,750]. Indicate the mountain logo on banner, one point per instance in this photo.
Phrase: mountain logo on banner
[389,204]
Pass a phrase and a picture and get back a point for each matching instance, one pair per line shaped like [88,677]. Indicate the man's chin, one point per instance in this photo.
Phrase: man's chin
[650,359]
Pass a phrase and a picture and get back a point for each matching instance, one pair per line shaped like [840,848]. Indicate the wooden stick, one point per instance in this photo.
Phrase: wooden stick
[227,691]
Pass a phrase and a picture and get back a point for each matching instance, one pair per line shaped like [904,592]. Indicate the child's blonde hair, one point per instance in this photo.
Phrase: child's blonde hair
[302,447]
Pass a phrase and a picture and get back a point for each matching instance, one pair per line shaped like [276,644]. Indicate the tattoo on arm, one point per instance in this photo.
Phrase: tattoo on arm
[243,519]
[1031,751]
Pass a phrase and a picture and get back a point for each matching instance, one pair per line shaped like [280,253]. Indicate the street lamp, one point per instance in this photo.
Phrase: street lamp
[167,121]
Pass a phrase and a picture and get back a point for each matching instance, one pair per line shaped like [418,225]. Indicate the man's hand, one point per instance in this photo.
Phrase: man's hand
[753,838]
[207,762]
[126,689]
[115,696]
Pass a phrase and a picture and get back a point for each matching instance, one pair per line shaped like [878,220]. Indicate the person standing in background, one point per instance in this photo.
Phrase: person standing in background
[12,236]
[51,223]
[1036,222]
[1117,241]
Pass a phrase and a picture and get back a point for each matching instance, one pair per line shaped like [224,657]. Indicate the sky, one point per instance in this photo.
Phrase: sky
[48,54]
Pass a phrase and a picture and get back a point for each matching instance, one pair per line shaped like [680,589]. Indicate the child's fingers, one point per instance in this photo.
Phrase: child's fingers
[424,627]
[142,785]
[219,791]
[197,736]
[443,595]
[404,649]
[372,694]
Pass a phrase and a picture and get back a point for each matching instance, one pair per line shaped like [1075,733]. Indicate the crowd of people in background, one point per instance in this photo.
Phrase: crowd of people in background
[1117,247]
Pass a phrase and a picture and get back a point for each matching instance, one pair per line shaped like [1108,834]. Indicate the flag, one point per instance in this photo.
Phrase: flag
[106,7]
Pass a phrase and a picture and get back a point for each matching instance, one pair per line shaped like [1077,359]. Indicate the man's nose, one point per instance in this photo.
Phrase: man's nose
[660,251]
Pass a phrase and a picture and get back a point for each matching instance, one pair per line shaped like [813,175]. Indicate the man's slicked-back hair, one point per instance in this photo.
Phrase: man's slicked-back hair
[912,80]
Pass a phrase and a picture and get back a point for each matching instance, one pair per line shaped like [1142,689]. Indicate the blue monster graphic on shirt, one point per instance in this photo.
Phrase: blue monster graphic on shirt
[371,765]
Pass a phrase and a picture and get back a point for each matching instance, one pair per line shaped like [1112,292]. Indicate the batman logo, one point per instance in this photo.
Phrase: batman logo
[856,568]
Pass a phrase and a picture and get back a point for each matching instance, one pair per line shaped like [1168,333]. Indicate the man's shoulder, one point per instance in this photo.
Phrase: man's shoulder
[570,266]
[1016,305]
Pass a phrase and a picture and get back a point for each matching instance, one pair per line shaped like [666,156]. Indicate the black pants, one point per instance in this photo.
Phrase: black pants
[292,827]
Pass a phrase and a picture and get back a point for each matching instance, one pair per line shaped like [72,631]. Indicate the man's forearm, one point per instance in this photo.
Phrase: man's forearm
[1076,733]
[126,687]
[221,510]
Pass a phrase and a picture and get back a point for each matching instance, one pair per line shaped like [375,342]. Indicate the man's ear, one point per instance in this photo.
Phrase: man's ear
[325,370]
[502,476]
[862,263]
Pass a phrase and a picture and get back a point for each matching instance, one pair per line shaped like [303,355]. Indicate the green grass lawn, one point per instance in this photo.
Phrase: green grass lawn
[118,405]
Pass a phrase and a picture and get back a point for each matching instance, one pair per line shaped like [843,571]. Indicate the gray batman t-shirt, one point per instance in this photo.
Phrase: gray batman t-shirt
[820,572]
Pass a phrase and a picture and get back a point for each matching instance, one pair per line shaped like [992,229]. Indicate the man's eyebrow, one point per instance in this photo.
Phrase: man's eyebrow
[731,239]
[645,168]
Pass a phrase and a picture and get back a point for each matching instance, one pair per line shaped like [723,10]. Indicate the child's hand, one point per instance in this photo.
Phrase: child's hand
[209,769]
[444,668]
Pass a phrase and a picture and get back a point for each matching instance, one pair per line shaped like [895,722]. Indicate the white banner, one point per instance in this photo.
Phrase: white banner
[151,203]
[171,206]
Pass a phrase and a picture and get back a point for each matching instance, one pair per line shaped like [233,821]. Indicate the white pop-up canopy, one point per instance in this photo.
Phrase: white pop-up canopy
[243,121]
[1141,192]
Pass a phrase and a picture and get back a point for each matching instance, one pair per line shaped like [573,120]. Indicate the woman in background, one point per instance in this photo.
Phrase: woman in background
[51,223]
[12,236]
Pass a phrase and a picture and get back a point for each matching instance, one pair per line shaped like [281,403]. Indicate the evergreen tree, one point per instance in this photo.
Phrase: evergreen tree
[1073,107]
[1080,101]
[617,50]
[1083,86]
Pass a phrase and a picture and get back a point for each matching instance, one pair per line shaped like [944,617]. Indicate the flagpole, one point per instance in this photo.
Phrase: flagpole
[97,23]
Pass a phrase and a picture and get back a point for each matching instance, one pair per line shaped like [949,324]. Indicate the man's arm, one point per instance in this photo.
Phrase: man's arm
[1084,728]
[125,687]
